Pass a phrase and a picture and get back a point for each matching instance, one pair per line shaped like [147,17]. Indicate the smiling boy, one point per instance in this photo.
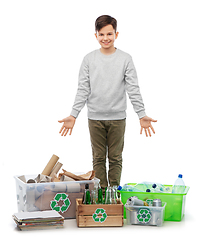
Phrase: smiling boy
[105,76]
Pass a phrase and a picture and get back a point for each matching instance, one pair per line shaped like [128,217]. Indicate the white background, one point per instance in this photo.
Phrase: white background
[42,45]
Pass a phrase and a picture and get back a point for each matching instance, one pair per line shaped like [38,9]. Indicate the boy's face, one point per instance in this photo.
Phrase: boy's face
[106,36]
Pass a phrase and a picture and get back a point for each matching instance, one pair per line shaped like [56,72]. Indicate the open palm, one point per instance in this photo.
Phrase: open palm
[145,123]
[68,124]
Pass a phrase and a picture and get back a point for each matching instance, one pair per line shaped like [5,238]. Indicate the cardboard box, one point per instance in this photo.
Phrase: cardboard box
[99,215]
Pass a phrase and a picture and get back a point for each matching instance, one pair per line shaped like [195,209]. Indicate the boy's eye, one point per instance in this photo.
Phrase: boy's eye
[101,34]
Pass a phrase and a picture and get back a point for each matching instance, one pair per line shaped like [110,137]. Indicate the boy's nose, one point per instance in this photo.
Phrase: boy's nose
[105,37]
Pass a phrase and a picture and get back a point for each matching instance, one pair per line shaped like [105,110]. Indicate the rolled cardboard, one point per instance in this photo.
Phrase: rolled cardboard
[48,169]
[31,181]
[59,187]
[45,179]
[56,169]
[38,178]
[55,178]
[73,187]
[42,178]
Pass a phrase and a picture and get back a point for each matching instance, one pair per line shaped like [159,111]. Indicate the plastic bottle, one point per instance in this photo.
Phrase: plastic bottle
[179,185]
[151,187]
[140,187]
[128,188]
[155,188]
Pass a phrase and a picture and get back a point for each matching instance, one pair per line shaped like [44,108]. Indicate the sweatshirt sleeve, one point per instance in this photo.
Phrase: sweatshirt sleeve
[83,89]
[133,90]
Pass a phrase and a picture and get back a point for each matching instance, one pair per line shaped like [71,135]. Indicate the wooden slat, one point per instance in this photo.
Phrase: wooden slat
[111,221]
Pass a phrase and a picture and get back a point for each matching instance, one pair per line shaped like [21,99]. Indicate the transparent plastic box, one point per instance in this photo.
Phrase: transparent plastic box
[175,208]
[59,196]
[145,215]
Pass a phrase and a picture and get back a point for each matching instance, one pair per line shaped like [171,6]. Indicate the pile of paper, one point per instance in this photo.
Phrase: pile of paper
[38,220]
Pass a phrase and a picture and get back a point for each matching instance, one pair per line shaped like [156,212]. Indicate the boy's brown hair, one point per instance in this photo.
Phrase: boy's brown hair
[103,21]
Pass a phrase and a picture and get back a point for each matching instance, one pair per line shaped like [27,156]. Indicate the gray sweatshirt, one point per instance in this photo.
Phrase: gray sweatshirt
[103,83]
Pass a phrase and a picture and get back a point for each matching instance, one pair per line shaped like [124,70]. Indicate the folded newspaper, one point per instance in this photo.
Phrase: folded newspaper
[38,220]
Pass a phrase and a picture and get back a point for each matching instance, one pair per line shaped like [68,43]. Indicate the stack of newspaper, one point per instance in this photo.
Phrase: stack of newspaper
[38,220]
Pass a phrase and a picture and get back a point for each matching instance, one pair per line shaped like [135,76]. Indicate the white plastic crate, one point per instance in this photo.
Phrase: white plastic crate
[59,196]
[145,215]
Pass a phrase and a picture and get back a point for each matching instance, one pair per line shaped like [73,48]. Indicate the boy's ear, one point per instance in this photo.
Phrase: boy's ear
[95,35]
[117,34]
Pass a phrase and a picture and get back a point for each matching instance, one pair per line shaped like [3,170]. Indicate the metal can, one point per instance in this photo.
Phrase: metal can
[135,201]
[157,203]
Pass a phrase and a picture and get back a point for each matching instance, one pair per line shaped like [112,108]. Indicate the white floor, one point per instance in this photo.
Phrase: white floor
[170,230]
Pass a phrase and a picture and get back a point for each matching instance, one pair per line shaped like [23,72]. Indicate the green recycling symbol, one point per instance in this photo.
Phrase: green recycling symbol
[144,215]
[99,215]
[57,198]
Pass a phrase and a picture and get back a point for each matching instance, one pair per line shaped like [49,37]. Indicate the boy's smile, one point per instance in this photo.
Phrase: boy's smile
[106,38]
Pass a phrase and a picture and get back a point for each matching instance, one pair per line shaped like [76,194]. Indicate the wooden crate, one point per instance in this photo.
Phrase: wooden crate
[99,215]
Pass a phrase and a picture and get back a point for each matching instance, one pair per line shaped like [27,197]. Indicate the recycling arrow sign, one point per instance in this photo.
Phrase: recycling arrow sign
[144,215]
[99,215]
[54,204]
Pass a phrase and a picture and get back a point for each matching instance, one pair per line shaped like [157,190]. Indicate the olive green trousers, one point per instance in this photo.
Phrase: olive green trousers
[107,140]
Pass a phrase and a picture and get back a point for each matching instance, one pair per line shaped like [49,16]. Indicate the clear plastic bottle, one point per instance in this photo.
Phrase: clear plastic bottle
[155,188]
[179,185]
[140,187]
[128,188]
[152,187]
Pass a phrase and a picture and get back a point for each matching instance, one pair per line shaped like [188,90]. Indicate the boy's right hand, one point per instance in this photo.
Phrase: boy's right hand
[68,124]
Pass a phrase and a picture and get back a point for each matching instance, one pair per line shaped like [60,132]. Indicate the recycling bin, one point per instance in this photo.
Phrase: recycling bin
[145,215]
[59,196]
[175,202]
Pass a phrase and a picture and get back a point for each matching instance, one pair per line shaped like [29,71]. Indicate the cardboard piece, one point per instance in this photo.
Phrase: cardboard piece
[50,165]
[88,176]
[64,178]
[56,169]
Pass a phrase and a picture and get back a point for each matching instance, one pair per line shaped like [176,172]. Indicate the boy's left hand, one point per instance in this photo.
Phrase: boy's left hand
[145,123]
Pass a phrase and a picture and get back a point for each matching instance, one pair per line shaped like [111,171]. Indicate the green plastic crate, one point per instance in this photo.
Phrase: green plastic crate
[175,208]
